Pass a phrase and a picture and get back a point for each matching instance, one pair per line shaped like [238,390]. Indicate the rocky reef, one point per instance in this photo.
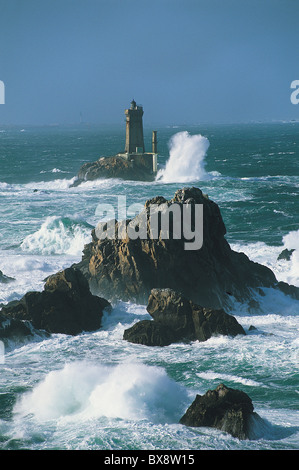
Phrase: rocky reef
[113,167]
[66,305]
[175,318]
[224,408]
[122,268]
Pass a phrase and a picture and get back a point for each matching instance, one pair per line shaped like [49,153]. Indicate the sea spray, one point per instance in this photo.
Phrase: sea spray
[268,255]
[58,235]
[129,391]
[186,159]
[291,242]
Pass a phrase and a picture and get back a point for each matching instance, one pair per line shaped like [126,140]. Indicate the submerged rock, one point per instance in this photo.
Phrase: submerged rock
[225,409]
[5,279]
[113,167]
[286,254]
[66,305]
[123,268]
[175,318]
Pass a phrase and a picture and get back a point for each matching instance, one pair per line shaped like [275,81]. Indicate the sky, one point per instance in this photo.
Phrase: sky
[185,61]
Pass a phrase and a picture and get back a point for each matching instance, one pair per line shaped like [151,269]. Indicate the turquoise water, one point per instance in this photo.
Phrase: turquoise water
[96,391]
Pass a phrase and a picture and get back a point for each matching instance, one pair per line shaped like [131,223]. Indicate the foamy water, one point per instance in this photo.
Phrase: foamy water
[285,270]
[81,391]
[58,235]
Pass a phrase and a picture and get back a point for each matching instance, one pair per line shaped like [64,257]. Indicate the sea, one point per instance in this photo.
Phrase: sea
[95,391]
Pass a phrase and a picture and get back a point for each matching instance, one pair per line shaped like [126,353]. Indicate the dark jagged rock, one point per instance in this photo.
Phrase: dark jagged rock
[225,409]
[66,305]
[112,167]
[127,269]
[5,279]
[175,318]
[287,289]
[149,333]
[12,328]
[285,254]
[15,332]
[252,328]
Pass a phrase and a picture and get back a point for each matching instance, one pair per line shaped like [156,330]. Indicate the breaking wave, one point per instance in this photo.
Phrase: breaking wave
[186,159]
[58,235]
[82,391]
[286,270]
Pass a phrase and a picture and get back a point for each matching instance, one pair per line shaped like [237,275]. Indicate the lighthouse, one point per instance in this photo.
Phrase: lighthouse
[134,146]
[134,162]
[134,129]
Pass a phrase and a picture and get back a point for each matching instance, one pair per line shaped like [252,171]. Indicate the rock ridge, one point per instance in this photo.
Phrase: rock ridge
[128,269]
[224,408]
[177,319]
[65,306]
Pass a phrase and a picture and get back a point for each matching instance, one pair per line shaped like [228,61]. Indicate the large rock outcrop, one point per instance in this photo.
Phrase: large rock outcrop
[113,167]
[175,318]
[66,305]
[127,269]
[224,408]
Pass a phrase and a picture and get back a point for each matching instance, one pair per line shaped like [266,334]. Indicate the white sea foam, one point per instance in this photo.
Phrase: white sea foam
[127,391]
[55,185]
[260,252]
[4,185]
[186,159]
[99,183]
[54,170]
[211,375]
[291,242]
[29,271]
[58,236]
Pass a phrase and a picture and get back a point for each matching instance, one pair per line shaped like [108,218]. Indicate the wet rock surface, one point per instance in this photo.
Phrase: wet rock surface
[128,269]
[112,167]
[224,408]
[175,318]
[5,279]
[66,305]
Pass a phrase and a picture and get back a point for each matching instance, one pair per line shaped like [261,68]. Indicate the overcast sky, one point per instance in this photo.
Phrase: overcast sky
[185,61]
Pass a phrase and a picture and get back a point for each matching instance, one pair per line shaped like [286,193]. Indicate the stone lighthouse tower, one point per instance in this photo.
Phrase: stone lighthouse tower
[134,129]
[134,148]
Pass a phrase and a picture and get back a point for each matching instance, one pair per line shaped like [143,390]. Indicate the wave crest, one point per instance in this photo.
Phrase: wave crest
[58,235]
[127,391]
